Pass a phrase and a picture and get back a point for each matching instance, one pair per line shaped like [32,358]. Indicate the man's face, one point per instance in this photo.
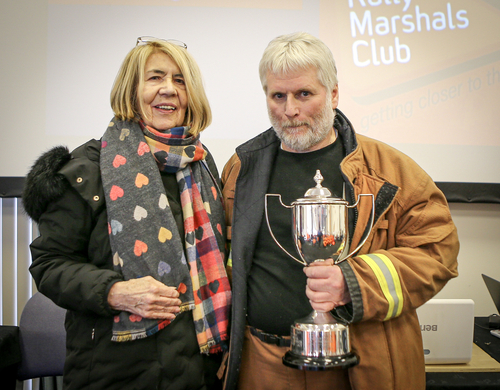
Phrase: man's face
[301,110]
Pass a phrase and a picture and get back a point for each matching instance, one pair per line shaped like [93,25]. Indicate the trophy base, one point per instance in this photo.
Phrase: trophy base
[320,363]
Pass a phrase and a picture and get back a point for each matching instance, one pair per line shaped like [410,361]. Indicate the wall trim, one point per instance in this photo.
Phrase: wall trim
[12,187]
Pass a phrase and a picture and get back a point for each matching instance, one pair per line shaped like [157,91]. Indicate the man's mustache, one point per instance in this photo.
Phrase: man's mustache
[288,124]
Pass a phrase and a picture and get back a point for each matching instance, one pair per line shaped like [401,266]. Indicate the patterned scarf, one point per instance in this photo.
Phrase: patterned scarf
[144,236]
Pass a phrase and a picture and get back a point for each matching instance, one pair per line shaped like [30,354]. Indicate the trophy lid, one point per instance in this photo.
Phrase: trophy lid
[319,194]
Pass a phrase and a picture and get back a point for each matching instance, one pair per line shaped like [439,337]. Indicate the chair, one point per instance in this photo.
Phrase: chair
[42,339]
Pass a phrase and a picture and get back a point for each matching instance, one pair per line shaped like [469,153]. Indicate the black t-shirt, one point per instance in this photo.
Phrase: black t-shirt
[277,283]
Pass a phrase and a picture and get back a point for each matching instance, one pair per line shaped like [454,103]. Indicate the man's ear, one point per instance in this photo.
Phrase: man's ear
[335,97]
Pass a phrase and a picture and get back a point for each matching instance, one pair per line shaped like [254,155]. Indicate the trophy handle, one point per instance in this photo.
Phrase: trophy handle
[271,230]
[372,220]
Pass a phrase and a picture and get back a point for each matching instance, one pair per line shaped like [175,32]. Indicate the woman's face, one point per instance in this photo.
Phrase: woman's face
[163,93]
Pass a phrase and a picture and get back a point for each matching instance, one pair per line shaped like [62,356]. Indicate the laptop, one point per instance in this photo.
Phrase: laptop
[493,287]
[447,327]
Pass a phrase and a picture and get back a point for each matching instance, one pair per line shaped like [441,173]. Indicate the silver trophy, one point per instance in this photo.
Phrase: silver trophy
[320,231]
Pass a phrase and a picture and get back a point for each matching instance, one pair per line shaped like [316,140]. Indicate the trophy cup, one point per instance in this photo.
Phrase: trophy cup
[320,222]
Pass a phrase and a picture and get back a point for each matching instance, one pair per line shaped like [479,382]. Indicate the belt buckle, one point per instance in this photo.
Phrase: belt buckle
[269,338]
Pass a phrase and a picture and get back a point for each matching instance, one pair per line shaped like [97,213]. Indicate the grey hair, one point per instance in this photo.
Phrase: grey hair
[296,51]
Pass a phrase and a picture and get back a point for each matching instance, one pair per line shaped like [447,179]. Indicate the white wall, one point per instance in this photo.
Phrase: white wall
[479,232]
[23,108]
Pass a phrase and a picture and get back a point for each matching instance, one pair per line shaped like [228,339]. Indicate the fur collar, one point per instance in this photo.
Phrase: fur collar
[43,183]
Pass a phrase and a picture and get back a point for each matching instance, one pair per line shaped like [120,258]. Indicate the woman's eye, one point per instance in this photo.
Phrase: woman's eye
[179,81]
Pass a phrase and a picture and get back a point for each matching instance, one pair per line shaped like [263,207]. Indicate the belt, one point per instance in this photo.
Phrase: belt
[269,338]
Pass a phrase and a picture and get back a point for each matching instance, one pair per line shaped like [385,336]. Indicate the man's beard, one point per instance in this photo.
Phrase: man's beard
[301,139]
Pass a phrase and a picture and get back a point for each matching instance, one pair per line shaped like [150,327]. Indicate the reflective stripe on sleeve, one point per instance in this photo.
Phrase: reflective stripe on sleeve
[388,280]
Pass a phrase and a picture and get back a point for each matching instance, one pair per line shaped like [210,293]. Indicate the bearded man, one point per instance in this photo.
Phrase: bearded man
[409,255]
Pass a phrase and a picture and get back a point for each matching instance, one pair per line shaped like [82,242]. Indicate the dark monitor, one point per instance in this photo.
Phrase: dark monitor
[494,289]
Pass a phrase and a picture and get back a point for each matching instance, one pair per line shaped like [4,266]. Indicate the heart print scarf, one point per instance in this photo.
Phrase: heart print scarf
[144,236]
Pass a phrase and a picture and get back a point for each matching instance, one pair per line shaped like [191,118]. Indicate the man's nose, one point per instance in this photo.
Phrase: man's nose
[291,108]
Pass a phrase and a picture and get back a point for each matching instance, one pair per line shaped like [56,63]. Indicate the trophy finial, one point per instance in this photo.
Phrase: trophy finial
[318,178]
[319,191]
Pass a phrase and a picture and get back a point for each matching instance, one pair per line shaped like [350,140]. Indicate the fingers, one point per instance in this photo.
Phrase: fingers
[158,310]
[322,262]
[321,301]
[323,306]
[150,285]
[145,297]
[335,297]
[322,270]
[158,301]
[318,296]
[331,281]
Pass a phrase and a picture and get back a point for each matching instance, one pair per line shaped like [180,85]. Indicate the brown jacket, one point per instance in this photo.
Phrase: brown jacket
[409,256]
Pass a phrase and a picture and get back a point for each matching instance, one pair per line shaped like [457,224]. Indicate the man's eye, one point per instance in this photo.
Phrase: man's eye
[305,93]
[278,96]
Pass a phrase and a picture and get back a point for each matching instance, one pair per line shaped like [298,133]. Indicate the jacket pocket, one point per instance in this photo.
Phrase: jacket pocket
[380,236]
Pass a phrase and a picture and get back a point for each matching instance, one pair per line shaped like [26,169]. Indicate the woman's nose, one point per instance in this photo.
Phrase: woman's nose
[167,87]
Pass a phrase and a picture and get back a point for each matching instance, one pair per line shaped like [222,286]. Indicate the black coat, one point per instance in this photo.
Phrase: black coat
[72,265]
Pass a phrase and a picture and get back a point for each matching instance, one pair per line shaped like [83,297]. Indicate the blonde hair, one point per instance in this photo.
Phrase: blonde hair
[297,51]
[130,78]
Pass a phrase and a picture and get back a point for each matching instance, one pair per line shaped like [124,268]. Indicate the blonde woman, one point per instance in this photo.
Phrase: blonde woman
[132,234]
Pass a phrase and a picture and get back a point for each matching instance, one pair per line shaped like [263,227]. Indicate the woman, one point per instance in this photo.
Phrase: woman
[131,234]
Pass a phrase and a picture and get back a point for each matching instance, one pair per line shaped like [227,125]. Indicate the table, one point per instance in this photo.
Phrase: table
[481,373]
[480,362]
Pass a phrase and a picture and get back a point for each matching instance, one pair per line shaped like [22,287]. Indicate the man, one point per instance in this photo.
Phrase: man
[410,254]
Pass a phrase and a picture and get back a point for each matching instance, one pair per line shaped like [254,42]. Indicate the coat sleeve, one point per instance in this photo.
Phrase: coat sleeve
[61,255]
[410,256]
[72,262]
[229,176]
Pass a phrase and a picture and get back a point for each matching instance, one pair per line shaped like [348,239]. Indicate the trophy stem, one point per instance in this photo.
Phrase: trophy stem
[318,318]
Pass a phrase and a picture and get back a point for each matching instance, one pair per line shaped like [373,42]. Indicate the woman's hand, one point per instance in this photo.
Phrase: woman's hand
[326,287]
[145,297]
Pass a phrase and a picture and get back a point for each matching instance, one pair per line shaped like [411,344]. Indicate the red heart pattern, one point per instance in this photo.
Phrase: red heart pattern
[182,288]
[119,160]
[140,248]
[143,148]
[135,318]
[116,192]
